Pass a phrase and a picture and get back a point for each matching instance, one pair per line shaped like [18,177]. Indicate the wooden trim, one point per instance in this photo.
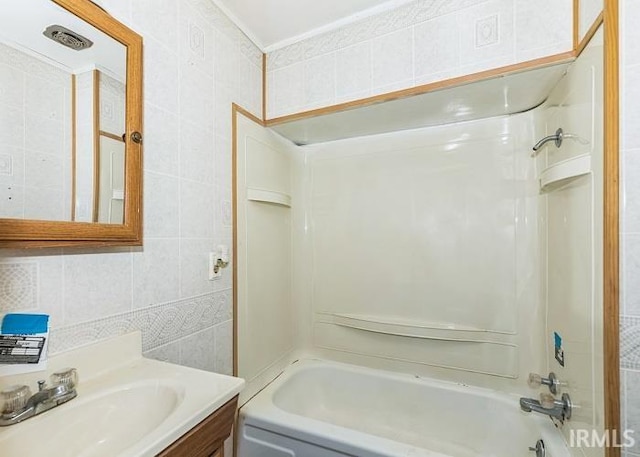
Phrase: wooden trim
[23,233]
[133,123]
[96,145]
[246,113]
[431,87]
[74,146]
[112,136]
[590,33]
[38,244]
[235,109]
[264,87]
[576,24]
[611,256]
[207,438]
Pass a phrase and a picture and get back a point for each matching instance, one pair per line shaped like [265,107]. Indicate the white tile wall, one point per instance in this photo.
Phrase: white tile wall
[421,42]
[589,10]
[392,60]
[546,21]
[320,80]
[35,125]
[196,64]
[112,105]
[630,221]
[353,73]
[432,61]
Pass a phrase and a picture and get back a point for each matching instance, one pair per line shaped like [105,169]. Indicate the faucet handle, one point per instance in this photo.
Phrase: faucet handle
[67,377]
[535,381]
[547,400]
[14,399]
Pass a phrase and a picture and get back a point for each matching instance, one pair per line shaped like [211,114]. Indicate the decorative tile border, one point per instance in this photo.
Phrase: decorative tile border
[630,342]
[366,29]
[18,286]
[159,324]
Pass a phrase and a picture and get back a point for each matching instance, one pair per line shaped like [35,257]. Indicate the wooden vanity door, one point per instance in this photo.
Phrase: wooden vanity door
[207,438]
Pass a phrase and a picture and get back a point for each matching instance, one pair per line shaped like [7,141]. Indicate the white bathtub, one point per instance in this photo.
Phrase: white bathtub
[327,409]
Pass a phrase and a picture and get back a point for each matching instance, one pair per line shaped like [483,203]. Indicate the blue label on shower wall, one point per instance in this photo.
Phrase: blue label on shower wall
[559,352]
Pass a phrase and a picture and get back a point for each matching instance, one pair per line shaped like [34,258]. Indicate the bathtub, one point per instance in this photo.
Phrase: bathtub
[326,409]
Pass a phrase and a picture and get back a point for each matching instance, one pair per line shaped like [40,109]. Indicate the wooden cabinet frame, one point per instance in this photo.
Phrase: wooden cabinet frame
[24,233]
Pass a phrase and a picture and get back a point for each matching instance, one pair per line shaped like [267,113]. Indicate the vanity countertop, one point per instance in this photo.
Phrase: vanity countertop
[127,405]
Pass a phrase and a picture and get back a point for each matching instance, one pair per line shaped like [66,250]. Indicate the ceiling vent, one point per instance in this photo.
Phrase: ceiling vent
[67,37]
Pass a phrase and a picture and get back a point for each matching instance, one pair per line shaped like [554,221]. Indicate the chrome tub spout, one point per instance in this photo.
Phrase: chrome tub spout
[557,409]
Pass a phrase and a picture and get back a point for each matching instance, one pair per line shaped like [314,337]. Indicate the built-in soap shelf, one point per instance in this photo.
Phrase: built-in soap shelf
[269,196]
[563,172]
[416,329]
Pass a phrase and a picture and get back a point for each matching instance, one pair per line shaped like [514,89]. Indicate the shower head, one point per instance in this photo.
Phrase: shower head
[67,37]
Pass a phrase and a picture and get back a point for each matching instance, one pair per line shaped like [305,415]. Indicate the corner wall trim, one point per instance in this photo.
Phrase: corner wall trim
[611,255]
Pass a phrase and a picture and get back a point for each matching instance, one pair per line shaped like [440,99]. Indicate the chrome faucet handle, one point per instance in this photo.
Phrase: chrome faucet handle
[41,385]
[535,381]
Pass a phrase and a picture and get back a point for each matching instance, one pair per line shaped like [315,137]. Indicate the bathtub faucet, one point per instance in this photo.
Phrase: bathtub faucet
[558,409]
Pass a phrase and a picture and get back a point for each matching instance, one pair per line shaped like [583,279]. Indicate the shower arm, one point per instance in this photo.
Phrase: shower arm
[557,138]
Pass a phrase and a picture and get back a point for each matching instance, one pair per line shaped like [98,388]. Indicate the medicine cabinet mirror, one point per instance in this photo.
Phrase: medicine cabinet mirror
[70,123]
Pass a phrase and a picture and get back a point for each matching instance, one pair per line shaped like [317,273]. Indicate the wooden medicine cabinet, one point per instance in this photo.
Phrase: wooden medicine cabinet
[70,133]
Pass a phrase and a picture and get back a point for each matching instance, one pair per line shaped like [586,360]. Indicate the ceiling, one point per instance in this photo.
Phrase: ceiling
[21,26]
[272,24]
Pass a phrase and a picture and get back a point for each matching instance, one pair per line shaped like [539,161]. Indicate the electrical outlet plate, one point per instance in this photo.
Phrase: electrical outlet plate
[213,257]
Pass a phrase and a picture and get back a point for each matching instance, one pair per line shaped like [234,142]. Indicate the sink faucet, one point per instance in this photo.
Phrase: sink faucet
[20,405]
[558,409]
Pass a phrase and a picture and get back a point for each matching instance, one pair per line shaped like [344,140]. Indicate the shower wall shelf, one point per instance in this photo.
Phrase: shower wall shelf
[269,196]
[416,329]
[562,173]
[388,339]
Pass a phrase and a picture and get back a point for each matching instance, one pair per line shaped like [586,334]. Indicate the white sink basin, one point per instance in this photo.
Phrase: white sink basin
[105,424]
[136,409]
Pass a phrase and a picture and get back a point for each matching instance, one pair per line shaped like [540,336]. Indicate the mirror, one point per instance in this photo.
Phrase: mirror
[70,97]
[97,148]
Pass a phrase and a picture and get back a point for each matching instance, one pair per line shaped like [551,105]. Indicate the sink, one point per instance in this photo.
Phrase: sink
[104,424]
[127,405]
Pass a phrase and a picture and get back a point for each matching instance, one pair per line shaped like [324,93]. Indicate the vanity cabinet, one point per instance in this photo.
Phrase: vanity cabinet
[207,438]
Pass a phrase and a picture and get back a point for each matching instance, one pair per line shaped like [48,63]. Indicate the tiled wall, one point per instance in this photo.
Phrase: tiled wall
[589,11]
[196,64]
[112,105]
[84,147]
[630,221]
[419,43]
[35,99]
